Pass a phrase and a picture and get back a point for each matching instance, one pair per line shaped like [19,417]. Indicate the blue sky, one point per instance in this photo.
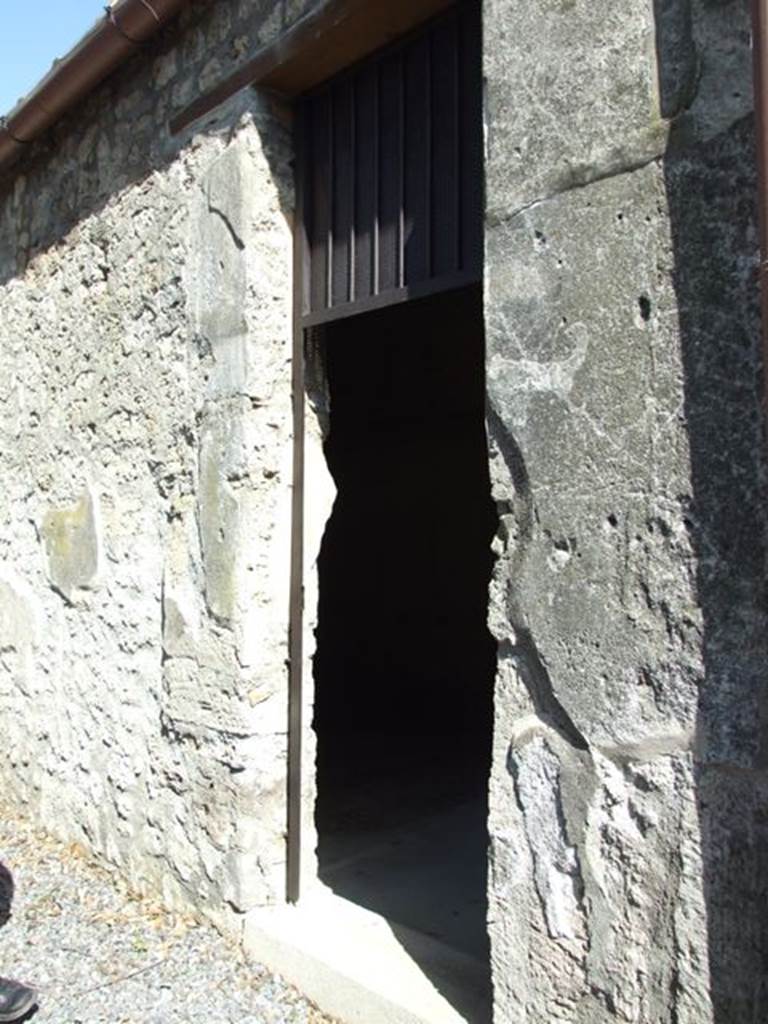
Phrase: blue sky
[32,34]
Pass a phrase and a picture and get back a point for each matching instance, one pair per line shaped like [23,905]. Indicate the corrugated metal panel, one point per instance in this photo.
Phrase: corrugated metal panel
[392,173]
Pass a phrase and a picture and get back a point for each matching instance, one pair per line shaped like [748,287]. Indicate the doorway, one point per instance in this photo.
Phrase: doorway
[404,664]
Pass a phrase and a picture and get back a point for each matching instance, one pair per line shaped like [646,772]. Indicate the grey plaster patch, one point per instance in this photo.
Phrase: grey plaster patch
[72,545]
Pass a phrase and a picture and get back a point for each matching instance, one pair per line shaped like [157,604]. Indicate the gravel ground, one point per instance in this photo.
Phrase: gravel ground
[98,954]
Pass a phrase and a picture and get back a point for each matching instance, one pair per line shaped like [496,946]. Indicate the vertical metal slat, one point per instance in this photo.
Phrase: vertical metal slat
[471,166]
[460,140]
[445,258]
[331,204]
[343,160]
[389,173]
[375,285]
[396,170]
[352,190]
[364,175]
[318,174]
[428,161]
[400,271]
[416,181]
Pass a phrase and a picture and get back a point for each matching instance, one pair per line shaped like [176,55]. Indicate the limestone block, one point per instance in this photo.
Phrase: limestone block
[570,96]
[72,545]
[240,249]
[218,281]
[583,381]
[178,626]
[183,603]
[626,455]
[576,91]
[20,616]
[223,459]
[198,699]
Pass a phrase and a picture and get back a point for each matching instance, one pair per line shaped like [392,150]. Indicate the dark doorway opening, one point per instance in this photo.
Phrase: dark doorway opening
[404,665]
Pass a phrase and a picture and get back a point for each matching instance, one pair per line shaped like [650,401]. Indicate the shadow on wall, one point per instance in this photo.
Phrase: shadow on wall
[712,194]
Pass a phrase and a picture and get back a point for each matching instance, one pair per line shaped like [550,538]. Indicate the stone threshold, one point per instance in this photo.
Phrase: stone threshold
[357,966]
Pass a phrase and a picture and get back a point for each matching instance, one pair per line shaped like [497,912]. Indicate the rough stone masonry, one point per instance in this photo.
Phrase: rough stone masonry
[146,466]
[145,291]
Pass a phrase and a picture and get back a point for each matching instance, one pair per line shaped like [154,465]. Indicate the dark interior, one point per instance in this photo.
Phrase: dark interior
[405,664]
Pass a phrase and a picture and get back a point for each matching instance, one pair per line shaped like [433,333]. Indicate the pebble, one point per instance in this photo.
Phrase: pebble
[99,954]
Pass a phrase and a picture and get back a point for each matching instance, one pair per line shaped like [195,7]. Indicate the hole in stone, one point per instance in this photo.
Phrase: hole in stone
[404,665]
[612,520]
[644,305]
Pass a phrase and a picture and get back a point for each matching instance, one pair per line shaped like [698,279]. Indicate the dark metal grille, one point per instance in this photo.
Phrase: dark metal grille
[391,173]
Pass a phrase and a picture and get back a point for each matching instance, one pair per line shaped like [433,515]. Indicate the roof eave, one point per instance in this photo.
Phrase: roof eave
[113,39]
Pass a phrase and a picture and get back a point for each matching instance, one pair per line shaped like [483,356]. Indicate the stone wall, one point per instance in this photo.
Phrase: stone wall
[145,453]
[145,297]
[628,845]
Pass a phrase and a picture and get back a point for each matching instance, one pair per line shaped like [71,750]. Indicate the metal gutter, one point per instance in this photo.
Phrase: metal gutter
[124,28]
[760,77]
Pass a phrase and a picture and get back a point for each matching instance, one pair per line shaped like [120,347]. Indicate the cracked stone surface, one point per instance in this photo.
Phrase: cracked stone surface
[624,375]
